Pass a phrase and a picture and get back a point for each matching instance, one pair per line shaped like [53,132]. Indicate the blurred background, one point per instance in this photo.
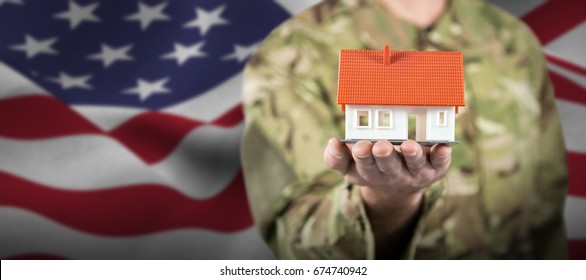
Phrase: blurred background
[120,124]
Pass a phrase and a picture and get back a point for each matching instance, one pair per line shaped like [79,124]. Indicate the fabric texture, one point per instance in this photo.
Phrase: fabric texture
[503,194]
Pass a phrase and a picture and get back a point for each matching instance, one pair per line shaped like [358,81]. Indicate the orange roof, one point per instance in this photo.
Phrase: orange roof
[419,78]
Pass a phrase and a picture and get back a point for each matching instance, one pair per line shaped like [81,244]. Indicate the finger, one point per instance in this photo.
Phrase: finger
[337,156]
[414,157]
[354,178]
[349,145]
[386,158]
[440,156]
[362,155]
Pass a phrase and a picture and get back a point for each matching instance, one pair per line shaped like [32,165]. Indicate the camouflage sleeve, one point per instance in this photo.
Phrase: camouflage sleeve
[304,211]
[552,179]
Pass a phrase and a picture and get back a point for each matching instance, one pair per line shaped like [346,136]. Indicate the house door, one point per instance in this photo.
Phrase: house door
[420,124]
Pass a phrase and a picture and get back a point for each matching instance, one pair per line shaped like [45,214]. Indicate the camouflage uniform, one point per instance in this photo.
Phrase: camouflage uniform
[503,194]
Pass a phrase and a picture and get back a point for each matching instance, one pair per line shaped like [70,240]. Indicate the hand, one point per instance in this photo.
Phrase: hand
[387,170]
[392,180]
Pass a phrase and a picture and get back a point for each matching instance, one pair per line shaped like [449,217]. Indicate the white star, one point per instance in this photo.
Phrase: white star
[147,14]
[241,52]
[109,55]
[34,47]
[205,20]
[68,82]
[78,14]
[10,1]
[144,89]
[183,53]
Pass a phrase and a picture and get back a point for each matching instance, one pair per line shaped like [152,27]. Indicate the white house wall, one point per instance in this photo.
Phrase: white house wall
[427,123]
[399,122]
[435,132]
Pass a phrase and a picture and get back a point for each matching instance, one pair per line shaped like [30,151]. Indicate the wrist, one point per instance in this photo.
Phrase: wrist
[390,213]
[392,219]
[391,202]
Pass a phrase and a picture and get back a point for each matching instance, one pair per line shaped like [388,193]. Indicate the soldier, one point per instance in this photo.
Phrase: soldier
[498,194]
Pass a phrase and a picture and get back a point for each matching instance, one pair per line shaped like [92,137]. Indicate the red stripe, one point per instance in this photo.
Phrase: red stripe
[153,135]
[565,64]
[38,116]
[577,249]
[554,18]
[577,174]
[232,117]
[567,89]
[130,210]
[36,256]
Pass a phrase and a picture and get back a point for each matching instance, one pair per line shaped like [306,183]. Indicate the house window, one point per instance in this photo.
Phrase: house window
[384,119]
[362,118]
[442,118]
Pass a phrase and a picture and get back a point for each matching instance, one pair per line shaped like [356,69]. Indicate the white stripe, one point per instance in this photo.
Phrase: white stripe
[24,232]
[296,6]
[574,214]
[573,116]
[202,164]
[518,8]
[572,76]
[13,83]
[79,162]
[570,46]
[107,117]
[205,162]
[213,103]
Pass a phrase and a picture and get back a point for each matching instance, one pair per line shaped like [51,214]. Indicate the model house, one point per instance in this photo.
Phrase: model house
[379,89]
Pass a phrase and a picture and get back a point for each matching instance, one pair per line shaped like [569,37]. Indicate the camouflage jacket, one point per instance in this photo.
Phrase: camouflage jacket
[504,192]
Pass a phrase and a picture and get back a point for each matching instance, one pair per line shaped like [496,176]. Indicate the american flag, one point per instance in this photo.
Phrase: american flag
[120,124]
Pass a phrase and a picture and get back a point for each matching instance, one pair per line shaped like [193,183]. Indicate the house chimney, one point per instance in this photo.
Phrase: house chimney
[387,55]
